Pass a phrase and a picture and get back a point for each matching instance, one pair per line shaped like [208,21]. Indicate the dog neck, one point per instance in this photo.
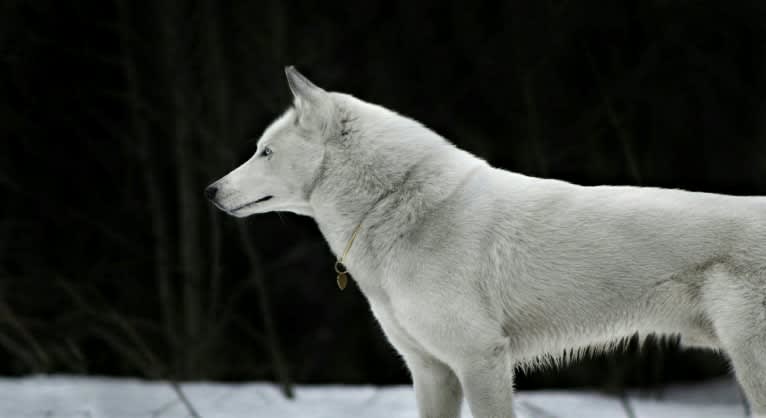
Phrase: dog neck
[386,207]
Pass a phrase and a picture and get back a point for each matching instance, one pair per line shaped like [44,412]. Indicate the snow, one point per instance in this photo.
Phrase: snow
[90,397]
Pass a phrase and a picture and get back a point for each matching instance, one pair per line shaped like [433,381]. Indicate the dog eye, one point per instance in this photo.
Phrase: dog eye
[266,152]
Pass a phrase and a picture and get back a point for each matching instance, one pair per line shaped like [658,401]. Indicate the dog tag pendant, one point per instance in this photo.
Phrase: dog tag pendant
[342,281]
[342,275]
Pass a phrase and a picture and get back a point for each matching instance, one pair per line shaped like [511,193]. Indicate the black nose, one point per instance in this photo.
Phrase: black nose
[210,192]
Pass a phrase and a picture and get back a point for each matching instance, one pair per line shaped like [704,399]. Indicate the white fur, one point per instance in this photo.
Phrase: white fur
[473,271]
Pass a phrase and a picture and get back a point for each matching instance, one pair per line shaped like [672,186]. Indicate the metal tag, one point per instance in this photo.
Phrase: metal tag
[342,281]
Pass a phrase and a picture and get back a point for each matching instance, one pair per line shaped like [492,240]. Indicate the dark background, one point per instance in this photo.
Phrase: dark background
[115,114]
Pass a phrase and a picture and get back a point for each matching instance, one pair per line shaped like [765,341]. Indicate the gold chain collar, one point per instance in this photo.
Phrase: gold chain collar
[340,268]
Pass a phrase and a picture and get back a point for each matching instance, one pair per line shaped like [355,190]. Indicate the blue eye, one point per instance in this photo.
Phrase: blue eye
[266,152]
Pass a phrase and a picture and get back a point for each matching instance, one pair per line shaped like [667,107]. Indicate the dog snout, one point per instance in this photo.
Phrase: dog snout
[211,191]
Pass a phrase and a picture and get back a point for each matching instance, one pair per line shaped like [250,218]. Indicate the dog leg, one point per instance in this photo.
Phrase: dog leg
[437,389]
[749,360]
[739,317]
[488,383]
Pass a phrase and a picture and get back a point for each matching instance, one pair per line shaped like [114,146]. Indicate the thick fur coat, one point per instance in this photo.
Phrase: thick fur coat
[474,271]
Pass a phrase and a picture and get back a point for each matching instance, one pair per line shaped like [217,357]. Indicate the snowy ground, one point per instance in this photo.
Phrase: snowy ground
[81,397]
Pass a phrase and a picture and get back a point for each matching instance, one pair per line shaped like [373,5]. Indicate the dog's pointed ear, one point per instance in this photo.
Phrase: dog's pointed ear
[312,103]
[305,93]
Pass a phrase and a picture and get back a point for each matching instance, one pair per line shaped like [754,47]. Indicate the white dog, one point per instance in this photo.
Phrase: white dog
[473,271]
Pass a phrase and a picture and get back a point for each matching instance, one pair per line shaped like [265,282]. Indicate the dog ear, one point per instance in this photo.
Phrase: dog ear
[307,97]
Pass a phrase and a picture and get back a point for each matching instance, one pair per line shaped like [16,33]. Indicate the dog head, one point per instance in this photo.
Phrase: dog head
[331,151]
[284,169]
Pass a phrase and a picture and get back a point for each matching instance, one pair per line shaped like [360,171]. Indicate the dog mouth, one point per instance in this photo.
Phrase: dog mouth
[255,202]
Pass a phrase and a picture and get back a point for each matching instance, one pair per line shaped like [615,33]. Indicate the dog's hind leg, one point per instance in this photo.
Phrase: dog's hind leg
[749,361]
[739,317]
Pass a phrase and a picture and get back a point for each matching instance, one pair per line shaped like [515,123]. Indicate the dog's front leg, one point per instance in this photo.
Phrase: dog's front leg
[437,389]
[488,383]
